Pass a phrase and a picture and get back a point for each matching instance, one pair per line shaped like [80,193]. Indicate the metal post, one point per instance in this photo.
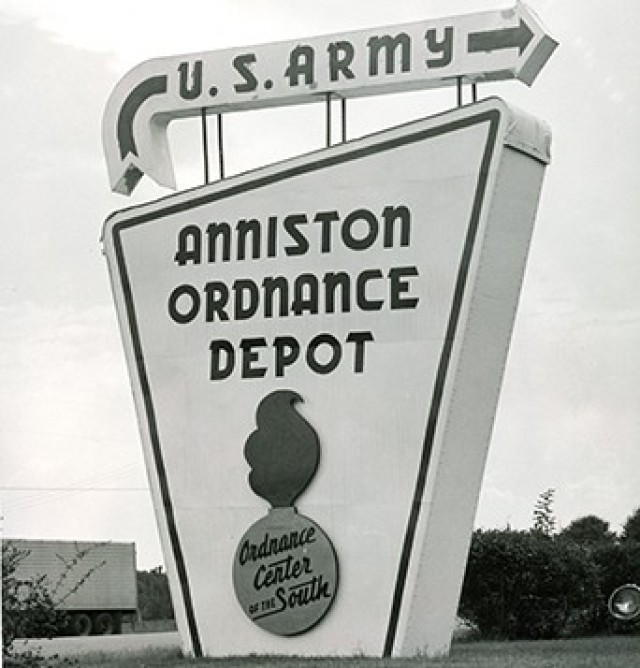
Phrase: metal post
[474,91]
[220,148]
[205,144]
[343,105]
[459,86]
[328,106]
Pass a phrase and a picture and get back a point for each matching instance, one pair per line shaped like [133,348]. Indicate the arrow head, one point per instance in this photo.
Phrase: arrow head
[129,178]
[126,174]
[134,132]
[525,35]
[540,43]
[516,37]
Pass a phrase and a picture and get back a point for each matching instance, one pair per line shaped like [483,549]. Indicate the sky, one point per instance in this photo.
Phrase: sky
[71,464]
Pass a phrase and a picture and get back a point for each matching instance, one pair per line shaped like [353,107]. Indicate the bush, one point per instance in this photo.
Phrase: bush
[154,599]
[617,564]
[631,528]
[528,585]
[28,610]
[588,530]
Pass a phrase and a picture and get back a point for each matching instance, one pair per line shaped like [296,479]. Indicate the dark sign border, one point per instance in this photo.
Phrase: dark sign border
[319,161]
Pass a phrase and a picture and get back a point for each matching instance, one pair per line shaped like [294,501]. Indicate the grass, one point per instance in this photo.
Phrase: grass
[598,652]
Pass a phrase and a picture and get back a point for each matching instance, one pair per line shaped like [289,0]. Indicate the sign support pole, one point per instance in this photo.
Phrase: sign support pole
[205,145]
[220,148]
[343,119]
[328,119]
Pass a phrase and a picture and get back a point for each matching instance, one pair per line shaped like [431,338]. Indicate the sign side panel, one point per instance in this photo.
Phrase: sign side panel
[435,405]
[474,386]
[157,474]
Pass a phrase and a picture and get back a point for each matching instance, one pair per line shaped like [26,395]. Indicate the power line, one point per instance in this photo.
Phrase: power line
[39,495]
[51,495]
[73,489]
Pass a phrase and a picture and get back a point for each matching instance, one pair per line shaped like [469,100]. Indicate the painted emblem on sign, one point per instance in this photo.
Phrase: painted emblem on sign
[285,570]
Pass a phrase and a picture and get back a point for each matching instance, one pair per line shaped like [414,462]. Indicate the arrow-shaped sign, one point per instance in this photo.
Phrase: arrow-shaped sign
[136,98]
[130,167]
[490,46]
[505,38]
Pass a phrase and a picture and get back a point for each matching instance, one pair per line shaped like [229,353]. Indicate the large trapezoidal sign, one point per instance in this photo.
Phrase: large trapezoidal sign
[316,350]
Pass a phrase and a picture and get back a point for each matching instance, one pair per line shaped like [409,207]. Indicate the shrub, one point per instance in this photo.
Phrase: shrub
[154,599]
[588,530]
[28,610]
[631,528]
[617,564]
[528,585]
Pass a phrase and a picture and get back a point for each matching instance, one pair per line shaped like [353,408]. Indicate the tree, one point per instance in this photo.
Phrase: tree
[588,530]
[544,521]
[28,609]
[618,564]
[631,528]
[154,599]
[523,584]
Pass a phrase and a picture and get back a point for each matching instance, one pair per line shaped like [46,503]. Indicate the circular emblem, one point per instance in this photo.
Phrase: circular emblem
[624,603]
[285,572]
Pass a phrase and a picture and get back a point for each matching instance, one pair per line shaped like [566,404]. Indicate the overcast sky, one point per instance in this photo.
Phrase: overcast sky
[71,462]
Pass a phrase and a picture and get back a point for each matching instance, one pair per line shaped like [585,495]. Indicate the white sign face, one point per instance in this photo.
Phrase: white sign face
[488,46]
[316,351]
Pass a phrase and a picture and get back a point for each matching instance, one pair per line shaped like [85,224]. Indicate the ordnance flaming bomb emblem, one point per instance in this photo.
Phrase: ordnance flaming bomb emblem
[285,571]
[283,451]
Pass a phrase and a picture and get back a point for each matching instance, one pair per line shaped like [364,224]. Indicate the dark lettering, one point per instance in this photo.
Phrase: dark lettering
[249,356]
[326,218]
[222,231]
[245,287]
[291,225]
[333,281]
[389,45]
[190,92]
[391,214]
[340,57]
[359,338]
[217,296]
[305,294]
[399,286]
[271,285]
[280,571]
[308,592]
[241,64]
[445,47]
[222,359]
[189,295]
[301,63]
[243,557]
[273,546]
[361,297]
[370,235]
[281,595]
[272,235]
[287,351]
[189,245]
[245,228]
[335,351]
